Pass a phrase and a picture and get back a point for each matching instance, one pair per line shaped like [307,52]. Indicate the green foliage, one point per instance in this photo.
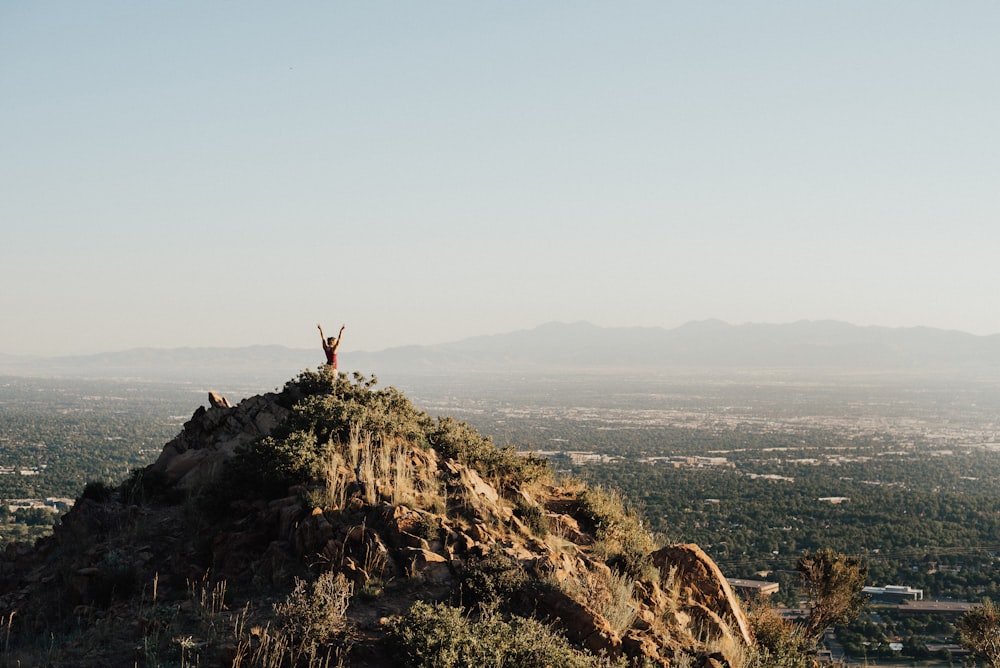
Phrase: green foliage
[272,464]
[532,515]
[428,528]
[331,408]
[441,636]
[621,536]
[494,581]
[36,517]
[979,632]
[503,466]
[780,643]
[832,584]
[325,411]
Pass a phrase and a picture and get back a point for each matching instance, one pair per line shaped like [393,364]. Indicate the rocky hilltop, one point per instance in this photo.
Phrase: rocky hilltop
[333,522]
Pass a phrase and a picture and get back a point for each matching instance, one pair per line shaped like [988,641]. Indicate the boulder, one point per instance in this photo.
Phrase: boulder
[706,589]
[218,401]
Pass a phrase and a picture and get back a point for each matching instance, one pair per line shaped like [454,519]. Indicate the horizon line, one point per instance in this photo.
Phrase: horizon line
[503,333]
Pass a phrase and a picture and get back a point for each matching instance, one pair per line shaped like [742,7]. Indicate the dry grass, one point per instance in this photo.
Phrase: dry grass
[726,641]
[734,650]
[209,598]
[683,660]
[264,647]
[336,478]
[382,466]
[435,498]
[619,529]
[671,587]
[309,628]
[608,593]
[403,487]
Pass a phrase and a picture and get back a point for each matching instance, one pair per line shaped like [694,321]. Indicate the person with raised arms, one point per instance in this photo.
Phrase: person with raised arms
[330,345]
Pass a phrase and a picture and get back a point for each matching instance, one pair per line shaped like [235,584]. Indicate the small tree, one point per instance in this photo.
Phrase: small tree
[979,632]
[780,643]
[832,583]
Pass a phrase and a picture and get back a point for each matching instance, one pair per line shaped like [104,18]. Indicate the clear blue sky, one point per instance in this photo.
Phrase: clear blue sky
[201,174]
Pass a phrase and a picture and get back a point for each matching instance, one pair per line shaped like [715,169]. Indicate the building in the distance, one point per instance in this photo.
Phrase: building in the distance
[950,609]
[894,594]
[749,589]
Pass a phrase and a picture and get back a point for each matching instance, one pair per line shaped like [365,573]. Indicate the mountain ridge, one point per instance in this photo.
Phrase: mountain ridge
[569,346]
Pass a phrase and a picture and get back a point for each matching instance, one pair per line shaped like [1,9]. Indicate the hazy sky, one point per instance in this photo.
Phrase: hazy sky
[222,173]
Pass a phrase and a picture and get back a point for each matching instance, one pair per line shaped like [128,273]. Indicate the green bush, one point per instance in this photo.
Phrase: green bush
[115,579]
[780,643]
[532,515]
[494,581]
[330,409]
[503,466]
[619,529]
[441,636]
[327,410]
[979,632]
[832,584]
[324,412]
[146,487]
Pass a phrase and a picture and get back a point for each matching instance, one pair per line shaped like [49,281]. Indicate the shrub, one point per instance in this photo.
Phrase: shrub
[622,539]
[532,515]
[494,581]
[265,468]
[428,527]
[314,613]
[979,632]
[503,466]
[116,579]
[146,486]
[832,584]
[441,636]
[608,593]
[780,643]
[330,411]
[326,414]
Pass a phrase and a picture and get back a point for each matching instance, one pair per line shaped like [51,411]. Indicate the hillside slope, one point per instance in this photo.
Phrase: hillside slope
[332,521]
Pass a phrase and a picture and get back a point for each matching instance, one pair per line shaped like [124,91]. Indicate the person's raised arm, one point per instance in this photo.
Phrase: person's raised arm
[340,335]
[321,337]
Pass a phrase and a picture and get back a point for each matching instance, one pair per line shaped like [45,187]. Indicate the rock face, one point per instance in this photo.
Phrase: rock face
[218,401]
[705,589]
[400,521]
[212,435]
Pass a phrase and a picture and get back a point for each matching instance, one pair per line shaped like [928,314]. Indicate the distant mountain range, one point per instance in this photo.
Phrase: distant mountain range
[577,346]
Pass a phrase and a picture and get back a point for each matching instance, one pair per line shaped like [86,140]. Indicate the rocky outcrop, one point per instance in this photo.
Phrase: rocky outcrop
[194,457]
[218,401]
[705,592]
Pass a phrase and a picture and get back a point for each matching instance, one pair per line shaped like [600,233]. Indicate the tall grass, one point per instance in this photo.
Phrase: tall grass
[336,478]
[381,466]
[608,593]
